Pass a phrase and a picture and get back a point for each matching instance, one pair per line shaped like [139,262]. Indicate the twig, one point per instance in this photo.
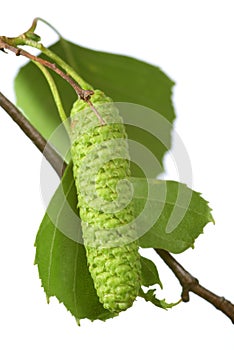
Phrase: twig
[83,94]
[48,151]
[191,284]
[187,281]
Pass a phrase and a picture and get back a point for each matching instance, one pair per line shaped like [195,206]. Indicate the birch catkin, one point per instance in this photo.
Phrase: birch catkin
[101,166]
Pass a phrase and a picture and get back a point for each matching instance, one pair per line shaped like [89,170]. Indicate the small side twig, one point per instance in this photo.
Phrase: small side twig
[83,94]
[44,147]
[191,284]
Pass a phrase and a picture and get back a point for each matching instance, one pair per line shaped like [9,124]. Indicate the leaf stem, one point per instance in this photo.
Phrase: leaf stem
[55,94]
[34,24]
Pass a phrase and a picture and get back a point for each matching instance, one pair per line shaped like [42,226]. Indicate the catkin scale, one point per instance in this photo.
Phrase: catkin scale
[100,161]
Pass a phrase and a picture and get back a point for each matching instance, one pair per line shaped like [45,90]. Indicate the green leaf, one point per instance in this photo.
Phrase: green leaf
[150,296]
[178,213]
[61,261]
[150,274]
[125,79]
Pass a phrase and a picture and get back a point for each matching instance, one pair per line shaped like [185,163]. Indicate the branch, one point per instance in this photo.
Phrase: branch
[187,281]
[48,151]
[191,284]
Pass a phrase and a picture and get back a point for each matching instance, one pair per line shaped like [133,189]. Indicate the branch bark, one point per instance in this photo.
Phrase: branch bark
[191,284]
[187,281]
[44,147]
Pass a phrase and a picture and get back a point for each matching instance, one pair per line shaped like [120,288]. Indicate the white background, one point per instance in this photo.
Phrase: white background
[192,42]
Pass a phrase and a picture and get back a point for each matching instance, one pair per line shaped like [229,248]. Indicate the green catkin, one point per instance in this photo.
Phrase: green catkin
[100,161]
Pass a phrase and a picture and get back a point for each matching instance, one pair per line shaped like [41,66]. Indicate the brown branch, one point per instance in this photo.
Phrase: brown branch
[191,284]
[48,151]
